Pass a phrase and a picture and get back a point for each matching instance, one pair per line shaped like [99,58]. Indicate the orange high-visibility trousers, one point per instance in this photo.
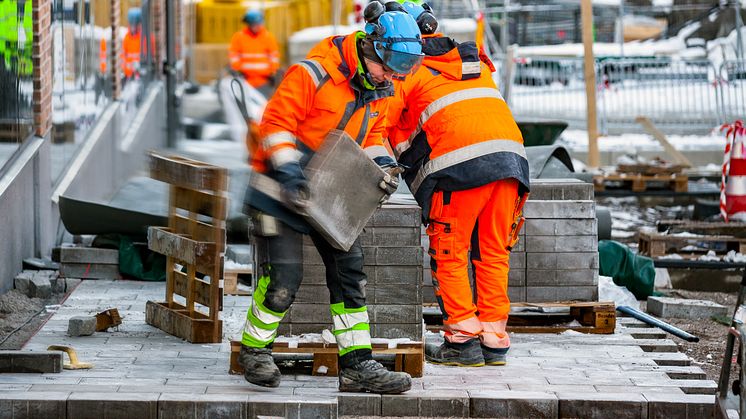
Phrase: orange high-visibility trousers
[483,219]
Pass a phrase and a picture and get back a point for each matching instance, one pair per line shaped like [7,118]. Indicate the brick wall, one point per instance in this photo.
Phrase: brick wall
[42,60]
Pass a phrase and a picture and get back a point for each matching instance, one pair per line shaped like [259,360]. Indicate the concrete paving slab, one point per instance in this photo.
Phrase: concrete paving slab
[683,308]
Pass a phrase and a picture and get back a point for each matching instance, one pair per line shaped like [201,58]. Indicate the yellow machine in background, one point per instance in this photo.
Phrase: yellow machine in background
[217,20]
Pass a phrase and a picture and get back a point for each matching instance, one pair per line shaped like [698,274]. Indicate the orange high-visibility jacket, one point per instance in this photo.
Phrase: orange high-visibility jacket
[451,126]
[102,56]
[318,95]
[130,53]
[255,55]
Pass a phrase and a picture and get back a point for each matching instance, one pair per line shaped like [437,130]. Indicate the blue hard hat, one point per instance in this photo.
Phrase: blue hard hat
[397,41]
[253,17]
[134,16]
[423,15]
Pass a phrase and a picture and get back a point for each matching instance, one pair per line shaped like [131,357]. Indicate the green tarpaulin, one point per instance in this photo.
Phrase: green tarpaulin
[626,268]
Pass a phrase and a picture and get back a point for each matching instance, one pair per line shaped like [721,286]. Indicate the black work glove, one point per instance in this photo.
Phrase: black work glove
[295,191]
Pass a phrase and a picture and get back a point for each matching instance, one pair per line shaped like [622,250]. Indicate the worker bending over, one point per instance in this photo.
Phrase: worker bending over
[344,84]
[467,168]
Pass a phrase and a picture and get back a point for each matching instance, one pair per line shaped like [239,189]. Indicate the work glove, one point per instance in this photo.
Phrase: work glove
[390,182]
[295,191]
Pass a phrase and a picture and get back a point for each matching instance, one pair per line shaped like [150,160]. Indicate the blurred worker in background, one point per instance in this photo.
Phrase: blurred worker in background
[467,168]
[254,53]
[131,44]
[344,84]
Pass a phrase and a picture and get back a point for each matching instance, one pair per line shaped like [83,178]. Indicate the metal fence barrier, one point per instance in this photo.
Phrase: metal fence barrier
[680,97]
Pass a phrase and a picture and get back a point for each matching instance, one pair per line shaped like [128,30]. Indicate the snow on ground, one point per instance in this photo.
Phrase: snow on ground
[577,140]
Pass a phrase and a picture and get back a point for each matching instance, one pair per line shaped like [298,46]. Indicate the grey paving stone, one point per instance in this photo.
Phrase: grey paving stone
[513,404]
[517,277]
[398,275]
[39,287]
[411,331]
[561,277]
[26,405]
[559,209]
[292,406]
[185,387]
[557,260]
[359,404]
[685,308]
[687,406]
[391,236]
[309,313]
[548,294]
[517,260]
[397,216]
[22,281]
[566,244]
[394,294]
[90,255]
[81,326]
[391,313]
[560,189]
[602,405]
[399,256]
[112,405]
[426,403]
[203,406]
[517,294]
[561,227]
[239,253]
[30,362]
[314,294]
[99,388]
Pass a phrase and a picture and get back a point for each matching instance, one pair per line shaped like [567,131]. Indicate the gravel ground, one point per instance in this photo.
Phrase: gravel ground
[708,352]
[21,317]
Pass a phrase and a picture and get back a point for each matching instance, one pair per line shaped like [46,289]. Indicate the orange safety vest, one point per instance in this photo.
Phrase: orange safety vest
[450,125]
[102,56]
[318,95]
[130,53]
[255,55]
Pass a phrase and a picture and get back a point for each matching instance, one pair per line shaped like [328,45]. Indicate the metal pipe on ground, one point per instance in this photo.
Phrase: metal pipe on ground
[644,317]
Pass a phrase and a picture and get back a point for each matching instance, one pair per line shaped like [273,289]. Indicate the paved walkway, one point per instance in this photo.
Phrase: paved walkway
[140,372]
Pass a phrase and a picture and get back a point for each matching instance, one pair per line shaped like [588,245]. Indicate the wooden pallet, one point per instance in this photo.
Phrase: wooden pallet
[656,245]
[230,281]
[650,169]
[717,228]
[194,239]
[639,183]
[594,317]
[409,357]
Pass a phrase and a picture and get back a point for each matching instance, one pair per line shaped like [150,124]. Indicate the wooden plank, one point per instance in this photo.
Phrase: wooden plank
[589,66]
[327,361]
[203,203]
[200,231]
[187,173]
[177,323]
[88,255]
[201,290]
[230,283]
[648,125]
[200,254]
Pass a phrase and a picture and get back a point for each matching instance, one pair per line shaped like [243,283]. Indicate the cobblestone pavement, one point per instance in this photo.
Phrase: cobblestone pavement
[140,372]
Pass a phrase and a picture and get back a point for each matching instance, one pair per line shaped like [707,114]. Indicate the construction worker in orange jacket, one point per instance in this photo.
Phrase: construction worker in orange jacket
[468,170]
[131,44]
[254,53]
[344,84]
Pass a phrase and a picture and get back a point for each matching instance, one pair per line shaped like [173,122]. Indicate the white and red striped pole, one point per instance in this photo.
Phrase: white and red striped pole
[733,181]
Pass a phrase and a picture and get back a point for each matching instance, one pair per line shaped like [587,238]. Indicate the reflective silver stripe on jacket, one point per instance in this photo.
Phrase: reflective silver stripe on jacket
[443,102]
[347,321]
[277,138]
[464,154]
[315,70]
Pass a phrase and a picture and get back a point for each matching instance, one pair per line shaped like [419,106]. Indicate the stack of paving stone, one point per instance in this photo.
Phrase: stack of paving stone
[87,262]
[393,263]
[556,257]
[558,260]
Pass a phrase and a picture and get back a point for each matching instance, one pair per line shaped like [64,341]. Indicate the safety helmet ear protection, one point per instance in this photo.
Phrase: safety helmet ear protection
[134,16]
[423,15]
[253,17]
[396,38]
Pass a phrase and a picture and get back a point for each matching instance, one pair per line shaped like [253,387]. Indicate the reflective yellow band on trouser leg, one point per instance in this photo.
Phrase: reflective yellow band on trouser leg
[261,323]
[351,328]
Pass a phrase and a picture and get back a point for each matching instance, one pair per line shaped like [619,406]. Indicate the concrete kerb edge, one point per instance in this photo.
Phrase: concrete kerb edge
[64,298]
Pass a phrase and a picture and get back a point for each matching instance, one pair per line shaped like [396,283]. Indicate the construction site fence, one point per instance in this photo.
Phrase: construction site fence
[680,97]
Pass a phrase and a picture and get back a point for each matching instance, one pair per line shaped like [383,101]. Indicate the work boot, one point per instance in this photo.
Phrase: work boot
[467,354]
[371,376]
[494,356]
[258,366]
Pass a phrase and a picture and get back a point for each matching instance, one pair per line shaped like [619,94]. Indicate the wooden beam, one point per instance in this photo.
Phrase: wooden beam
[678,157]
[191,252]
[187,173]
[586,10]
